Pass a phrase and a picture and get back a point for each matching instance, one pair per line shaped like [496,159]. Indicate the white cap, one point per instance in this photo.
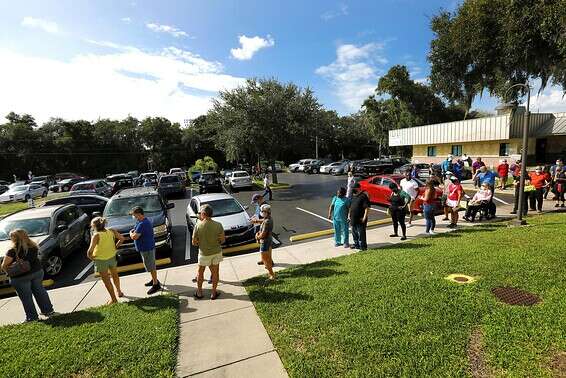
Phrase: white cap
[266,208]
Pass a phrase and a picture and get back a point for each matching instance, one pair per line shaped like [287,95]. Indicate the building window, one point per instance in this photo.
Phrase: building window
[504,149]
[431,151]
[457,150]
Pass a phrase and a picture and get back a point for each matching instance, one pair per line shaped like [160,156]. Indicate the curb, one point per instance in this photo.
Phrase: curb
[316,234]
[138,266]
[240,248]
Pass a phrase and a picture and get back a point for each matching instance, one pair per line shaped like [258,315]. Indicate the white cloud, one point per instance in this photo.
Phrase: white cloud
[251,45]
[551,100]
[174,31]
[354,73]
[341,11]
[38,23]
[127,20]
[173,83]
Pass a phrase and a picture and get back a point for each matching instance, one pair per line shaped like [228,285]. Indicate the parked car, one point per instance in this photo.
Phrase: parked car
[240,179]
[377,188]
[133,174]
[117,213]
[23,193]
[66,184]
[45,181]
[119,182]
[303,164]
[327,168]
[99,187]
[341,168]
[378,166]
[312,166]
[5,183]
[88,203]
[195,175]
[179,172]
[226,174]
[171,184]
[67,175]
[423,170]
[151,176]
[58,231]
[226,210]
[209,182]
[4,189]
[295,166]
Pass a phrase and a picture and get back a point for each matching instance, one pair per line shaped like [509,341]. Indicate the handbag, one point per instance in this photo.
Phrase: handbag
[530,188]
[18,268]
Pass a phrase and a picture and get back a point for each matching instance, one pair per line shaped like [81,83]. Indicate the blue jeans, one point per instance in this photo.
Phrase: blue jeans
[341,231]
[28,287]
[428,211]
[359,234]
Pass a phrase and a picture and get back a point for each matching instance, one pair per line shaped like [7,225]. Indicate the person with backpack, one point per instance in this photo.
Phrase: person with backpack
[399,200]
[338,214]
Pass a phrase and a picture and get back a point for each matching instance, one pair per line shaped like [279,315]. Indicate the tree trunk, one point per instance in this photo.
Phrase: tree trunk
[273,172]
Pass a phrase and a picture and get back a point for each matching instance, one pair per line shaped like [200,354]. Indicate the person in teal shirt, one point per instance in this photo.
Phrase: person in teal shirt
[338,214]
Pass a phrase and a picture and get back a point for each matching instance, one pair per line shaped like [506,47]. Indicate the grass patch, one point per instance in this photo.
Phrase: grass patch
[390,312]
[132,339]
[280,185]
[11,207]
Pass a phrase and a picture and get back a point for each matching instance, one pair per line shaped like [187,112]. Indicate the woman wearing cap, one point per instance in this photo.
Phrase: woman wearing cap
[102,251]
[265,237]
[540,181]
[454,195]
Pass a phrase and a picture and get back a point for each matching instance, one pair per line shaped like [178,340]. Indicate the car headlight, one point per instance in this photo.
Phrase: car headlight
[161,229]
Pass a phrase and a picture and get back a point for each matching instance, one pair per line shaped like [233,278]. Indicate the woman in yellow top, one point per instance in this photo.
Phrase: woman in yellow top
[102,251]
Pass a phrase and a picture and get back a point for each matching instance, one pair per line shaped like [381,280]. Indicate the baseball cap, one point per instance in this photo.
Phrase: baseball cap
[255,197]
[265,208]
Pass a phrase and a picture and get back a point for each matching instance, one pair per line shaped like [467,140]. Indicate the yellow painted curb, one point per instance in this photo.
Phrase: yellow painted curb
[10,290]
[318,234]
[240,248]
[138,266]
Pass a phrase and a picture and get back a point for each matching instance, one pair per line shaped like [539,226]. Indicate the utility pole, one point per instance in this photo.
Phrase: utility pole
[316,146]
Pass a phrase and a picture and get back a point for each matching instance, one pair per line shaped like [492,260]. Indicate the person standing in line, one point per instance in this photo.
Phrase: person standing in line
[540,182]
[208,236]
[144,242]
[410,187]
[27,279]
[516,172]
[546,170]
[265,239]
[428,198]
[267,187]
[350,185]
[446,183]
[553,171]
[455,193]
[102,251]
[258,200]
[446,165]
[338,214]
[503,173]
[398,209]
[559,185]
[475,169]
[485,175]
[358,217]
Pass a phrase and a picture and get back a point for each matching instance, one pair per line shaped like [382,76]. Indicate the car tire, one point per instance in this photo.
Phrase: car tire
[44,194]
[53,264]
[315,171]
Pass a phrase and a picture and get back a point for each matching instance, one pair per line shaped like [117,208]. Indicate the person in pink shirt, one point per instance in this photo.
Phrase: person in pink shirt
[481,198]
[454,195]
[503,173]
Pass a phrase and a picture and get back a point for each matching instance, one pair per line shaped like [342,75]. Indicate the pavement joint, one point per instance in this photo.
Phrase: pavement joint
[86,294]
[230,363]
[218,313]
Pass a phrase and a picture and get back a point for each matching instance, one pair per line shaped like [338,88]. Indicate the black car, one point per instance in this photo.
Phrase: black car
[313,166]
[119,182]
[58,230]
[209,182]
[117,213]
[171,184]
[89,203]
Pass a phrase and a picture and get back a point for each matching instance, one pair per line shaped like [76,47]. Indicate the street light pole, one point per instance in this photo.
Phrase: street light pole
[526,120]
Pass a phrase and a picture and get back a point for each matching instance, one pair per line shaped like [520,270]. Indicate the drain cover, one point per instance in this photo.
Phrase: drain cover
[514,296]
[460,278]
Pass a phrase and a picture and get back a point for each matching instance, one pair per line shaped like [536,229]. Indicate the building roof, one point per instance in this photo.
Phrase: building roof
[554,126]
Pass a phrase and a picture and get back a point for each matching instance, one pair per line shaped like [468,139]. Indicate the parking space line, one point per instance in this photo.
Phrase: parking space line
[188,238]
[316,215]
[500,200]
[84,271]
[380,210]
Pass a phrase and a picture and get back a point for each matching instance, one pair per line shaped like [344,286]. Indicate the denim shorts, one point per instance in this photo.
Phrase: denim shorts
[105,265]
[148,258]
[265,246]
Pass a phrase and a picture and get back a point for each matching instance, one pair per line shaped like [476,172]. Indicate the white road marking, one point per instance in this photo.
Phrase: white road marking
[316,215]
[500,200]
[380,210]
[84,271]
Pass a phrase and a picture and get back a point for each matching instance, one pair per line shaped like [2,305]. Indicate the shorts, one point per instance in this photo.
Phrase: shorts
[451,203]
[265,246]
[209,260]
[148,258]
[101,266]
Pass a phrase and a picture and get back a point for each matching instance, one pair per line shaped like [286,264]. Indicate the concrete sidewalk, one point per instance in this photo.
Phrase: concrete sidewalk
[243,347]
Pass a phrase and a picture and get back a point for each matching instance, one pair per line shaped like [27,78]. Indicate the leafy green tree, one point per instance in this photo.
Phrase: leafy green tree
[204,165]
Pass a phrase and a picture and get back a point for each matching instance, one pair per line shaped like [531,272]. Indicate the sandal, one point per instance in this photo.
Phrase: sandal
[214,296]
[196,296]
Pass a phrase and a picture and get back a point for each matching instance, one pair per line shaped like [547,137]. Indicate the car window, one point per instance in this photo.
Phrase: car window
[169,179]
[34,227]
[376,181]
[240,174]
[224,207]
[385,182]
[99,184]
[122,206]
[194,207]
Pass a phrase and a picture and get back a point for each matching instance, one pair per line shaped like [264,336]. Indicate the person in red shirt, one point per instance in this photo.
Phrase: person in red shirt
[454,195]
[540,181]
[503,173]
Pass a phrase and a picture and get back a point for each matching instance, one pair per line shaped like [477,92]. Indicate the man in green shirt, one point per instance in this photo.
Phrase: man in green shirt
[208,235]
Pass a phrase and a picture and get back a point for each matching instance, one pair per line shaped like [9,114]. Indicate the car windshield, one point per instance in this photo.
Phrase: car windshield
[34,227]
[121,206]
[240,174]
[21,188]
[224,207]
[169,179]
[83,187]
[39,178]
[208,176]
[150,176]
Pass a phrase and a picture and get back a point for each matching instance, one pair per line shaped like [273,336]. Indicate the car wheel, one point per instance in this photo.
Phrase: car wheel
[315,171]
[53,265]
[44,194]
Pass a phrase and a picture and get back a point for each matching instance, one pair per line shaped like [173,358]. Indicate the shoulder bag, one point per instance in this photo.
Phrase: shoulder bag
[18,268]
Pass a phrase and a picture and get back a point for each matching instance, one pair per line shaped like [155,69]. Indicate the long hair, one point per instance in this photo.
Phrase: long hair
[99,224]
[21,242]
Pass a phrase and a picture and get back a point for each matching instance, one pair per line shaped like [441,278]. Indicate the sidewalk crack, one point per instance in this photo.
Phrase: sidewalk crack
[86,294]
[229,363]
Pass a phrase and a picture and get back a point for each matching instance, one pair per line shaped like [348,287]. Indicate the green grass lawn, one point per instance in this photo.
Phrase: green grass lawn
[390,312]
[135,339]
[280,185]
[9,208]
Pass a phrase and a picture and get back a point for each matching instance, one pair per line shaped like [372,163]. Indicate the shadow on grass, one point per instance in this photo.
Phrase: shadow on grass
[75,319]
[266,295]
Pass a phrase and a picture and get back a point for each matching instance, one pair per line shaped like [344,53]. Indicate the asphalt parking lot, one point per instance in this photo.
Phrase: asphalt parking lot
[298,210]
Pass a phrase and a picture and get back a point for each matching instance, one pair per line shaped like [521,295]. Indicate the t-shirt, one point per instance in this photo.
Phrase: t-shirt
[454,191]
[146,241]
[208,233]
[477,165]
[488,177]
[341,205]
[106,247]
[265,182]
[516,169]
[267,227]
[538,181]
[411,187]
[30,256]
[358,207]
[399,200]
[446,165]
[503,170]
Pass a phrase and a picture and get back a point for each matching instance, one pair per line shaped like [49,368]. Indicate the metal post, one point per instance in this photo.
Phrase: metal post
[316,146]
[524,152]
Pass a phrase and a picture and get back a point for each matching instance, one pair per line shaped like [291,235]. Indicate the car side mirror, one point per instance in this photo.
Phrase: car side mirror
[170,206]
[61,228]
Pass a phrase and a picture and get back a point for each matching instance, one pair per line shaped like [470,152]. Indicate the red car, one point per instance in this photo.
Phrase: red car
[377,188]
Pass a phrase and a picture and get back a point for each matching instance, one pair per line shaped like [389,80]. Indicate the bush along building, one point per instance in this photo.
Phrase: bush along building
[492,138]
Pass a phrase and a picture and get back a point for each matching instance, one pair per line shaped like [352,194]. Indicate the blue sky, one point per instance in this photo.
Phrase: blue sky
[111,58]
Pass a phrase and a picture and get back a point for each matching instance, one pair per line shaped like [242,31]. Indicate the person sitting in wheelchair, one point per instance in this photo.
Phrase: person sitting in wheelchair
[479,202]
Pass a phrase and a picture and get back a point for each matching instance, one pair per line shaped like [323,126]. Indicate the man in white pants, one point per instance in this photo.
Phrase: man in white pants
[411,187]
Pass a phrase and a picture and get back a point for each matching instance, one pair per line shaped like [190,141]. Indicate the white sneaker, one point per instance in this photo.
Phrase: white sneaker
[409,225]
[431,232]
